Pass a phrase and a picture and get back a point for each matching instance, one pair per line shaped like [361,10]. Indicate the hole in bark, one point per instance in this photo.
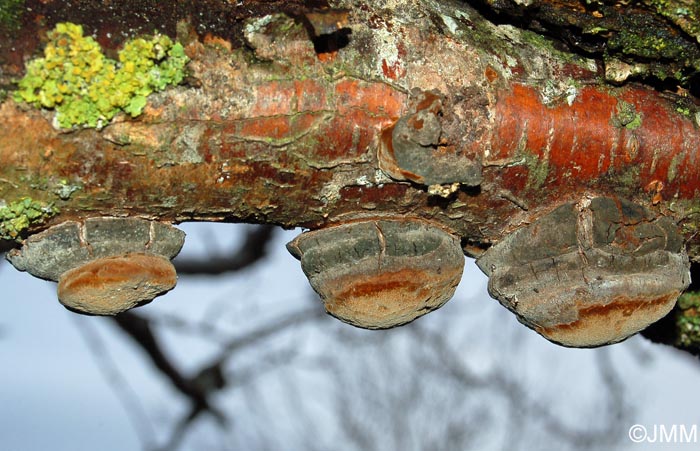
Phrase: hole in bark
[694,277]
[694,86]
[332,42]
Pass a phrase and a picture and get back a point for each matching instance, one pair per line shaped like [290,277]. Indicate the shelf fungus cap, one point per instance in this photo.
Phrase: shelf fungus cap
[589,273]
[415,149]
[382,273]
[111,285]
[99,253]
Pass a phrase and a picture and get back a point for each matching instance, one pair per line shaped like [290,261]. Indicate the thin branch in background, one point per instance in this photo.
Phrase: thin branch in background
[178,434]
[211,378]
[139,329]
[617,405]
[243,377]
[186,326]
[639,351]
[266,363]
[273,327]
[119,384]
[353,430]
[501,382]
[253,249]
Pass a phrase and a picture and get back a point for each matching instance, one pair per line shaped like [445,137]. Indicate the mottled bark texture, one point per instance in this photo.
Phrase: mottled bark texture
[282,118]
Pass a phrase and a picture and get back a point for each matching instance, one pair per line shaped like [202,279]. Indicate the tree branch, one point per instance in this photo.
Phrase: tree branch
[253,249]
[273,132]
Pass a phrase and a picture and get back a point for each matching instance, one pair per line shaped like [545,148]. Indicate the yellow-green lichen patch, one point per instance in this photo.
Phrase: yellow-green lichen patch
[538,169]
[626,116]
[86,88]
[17,216]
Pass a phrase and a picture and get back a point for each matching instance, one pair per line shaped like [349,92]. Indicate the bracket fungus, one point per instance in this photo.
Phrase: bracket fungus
[415,149]
[106,265]
[382,273]
[589,273]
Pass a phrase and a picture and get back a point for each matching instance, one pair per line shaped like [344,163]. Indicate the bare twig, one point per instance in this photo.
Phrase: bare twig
[516,394]
[253,249]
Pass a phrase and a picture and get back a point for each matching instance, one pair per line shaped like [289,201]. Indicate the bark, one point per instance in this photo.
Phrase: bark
[281,120]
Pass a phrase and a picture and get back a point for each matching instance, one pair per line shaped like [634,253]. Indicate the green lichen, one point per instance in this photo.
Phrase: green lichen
[626,116]
[538,170]
[669,54]
[673,167]
[64,190]
[687,315]
[625,180]
[684,13]
[17,216]
[88,89]
[10,13]
[685,111]
[634,123]
[632,42]
[548,47]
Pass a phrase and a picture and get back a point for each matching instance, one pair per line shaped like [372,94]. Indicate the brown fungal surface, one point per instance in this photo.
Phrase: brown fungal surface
[111,285]
[65,246]
[415,149]
[383,273]
[623,316]
[104,265]
[589,273]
